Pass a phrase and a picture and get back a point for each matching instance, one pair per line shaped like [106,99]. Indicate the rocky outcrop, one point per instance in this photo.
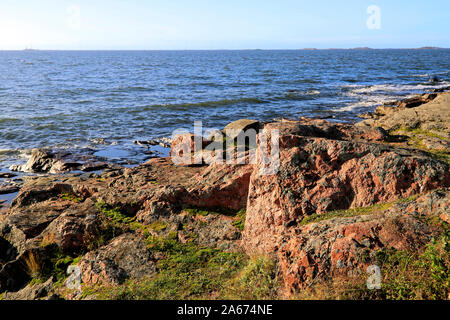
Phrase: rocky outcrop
[318,175]
[423,112]
[341,194]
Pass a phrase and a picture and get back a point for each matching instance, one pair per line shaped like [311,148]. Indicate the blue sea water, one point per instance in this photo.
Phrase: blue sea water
[108,99]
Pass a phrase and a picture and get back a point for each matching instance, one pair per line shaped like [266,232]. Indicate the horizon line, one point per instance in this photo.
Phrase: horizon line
[248,49]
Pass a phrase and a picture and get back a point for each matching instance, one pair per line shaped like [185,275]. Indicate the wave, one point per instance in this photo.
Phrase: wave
[370,96]
[356,90]
[364,104]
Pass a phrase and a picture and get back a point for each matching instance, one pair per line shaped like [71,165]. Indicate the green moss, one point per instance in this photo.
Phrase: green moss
[199,212]
[405,275]
[416,132]
[194,211]
[114,214]
[187,272]
[240,220]
[112,224]
[71,197]
[412,137]
[158,225]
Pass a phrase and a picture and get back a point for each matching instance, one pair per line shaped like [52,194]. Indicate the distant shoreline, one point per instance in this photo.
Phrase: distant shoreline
[193,50]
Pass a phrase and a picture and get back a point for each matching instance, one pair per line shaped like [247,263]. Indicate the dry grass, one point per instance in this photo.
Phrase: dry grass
[33,265]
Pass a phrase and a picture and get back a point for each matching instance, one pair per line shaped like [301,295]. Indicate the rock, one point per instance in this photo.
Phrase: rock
[146,143]
[93,166]
[125,257]
[40,161]
[31,193]
[215,186]
[55,162]
[382,111]
[324,129]
[215,231]
[235,128]
[6,175]
[32,292]
[317,175]
[184,144]
[416,113]
[46,161]
[341,245]
[434,143]
[434,79]
[439,90]
[324,166]
[13,275]
[7,251]
[8,189]
[74,228]
[367,115]
[222,186]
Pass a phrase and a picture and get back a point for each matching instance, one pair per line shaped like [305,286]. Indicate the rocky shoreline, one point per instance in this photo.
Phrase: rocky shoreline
[345,197]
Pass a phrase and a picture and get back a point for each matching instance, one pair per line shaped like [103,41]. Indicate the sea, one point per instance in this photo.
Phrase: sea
[106,100]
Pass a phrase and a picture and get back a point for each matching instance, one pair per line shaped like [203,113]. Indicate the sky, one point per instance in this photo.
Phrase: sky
[224,24]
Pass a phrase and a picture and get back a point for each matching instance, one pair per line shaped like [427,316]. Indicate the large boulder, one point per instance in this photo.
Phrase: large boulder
[73,230]
[125,257]
[317,175]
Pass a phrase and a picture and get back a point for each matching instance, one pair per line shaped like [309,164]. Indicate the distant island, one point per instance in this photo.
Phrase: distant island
[429,48]
[368,48]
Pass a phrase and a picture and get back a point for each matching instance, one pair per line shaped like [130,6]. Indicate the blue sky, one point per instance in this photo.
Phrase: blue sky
[225,24]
